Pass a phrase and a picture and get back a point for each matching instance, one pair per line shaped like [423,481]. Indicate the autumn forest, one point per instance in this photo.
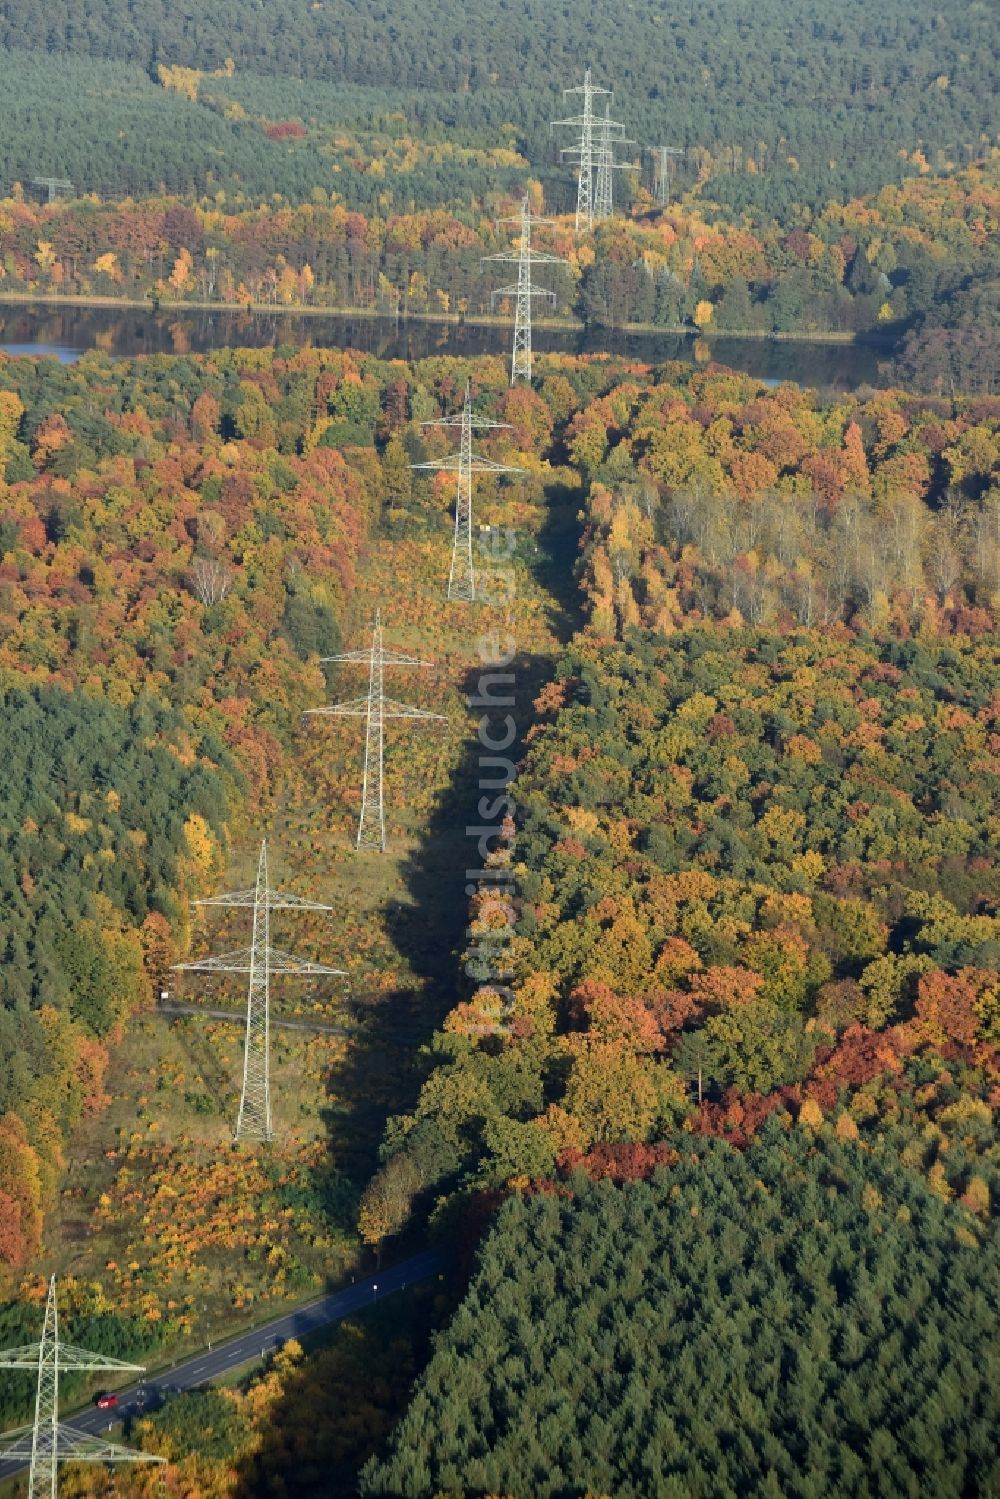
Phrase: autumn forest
[663,1014]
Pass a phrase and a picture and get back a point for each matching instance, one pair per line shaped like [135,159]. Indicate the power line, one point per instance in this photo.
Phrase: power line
[465,463]
[589,154]
[375,708]
[524,259]
[260,960]
[661,171]
[52,1443]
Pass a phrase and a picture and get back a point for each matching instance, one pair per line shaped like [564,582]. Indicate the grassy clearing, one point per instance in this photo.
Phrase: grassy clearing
[163,1216]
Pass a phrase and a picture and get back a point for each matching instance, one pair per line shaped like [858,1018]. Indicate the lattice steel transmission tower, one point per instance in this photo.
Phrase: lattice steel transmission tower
[589,150]
[603,191]
[260,960]
[604,198]
[465,463]
[524,259]
[54,186]
[375,708]
[50,1441]
[661,171]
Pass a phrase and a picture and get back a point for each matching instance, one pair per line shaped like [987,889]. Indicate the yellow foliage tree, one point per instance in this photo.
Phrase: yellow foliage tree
[107,265]
[178,80]
[181,278]
[11,412]
[202,848]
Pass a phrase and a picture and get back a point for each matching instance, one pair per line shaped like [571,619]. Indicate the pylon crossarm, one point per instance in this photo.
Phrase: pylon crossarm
[389,658]
[286,962]
[537,257]
[356,707]
[393,658]
[25,1357]
[278,900]
[599,124]
[80,1447]
[284,900]
[16,1443]
[231,898]
[453,465]
[520,291]
[518,218]
[226,962]
[349,658]
[71,1357]
[450,465]
[587,88]
[487,466]
[241,961]
[459,418]
[403,710]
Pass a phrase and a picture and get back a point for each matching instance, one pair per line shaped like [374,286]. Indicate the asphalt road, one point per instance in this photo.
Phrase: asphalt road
[250,1345]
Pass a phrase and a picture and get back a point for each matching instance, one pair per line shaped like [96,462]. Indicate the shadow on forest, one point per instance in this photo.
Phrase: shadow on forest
[555,564]
[195,1046]
[428,931]
[338,1405]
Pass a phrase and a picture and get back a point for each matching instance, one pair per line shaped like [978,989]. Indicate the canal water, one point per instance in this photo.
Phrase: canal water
[68,332]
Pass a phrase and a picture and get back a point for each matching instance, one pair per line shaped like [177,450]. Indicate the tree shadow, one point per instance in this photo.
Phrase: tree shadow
[221,1085]
[338,1405]
[555,562]
[384,1069]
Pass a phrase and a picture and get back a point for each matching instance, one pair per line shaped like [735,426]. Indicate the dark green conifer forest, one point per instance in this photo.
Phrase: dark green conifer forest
[822,101]
[802,1319]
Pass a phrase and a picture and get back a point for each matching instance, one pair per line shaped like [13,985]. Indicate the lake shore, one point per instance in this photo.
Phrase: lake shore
[165,306]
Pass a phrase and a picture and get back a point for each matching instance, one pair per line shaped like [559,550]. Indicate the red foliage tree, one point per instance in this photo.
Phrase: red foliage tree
[618,1162]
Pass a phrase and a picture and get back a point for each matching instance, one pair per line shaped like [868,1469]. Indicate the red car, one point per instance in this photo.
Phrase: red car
[105,1402]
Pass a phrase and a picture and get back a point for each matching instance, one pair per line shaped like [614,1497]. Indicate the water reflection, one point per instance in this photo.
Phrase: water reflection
[67,332]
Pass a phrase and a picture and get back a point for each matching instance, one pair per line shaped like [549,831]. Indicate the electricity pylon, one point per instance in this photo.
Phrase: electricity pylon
[50,1442]
[603,191]
[54,186]
[374,708]
[465,463]
[260,960]
[661,171]
[524,259]
[586,151]
[607,166]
